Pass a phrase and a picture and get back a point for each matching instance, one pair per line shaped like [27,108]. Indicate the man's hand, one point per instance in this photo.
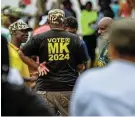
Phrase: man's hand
[42,69]
[80,68]
[33,78]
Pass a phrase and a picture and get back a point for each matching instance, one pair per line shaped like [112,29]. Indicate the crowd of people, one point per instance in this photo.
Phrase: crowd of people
[50,69]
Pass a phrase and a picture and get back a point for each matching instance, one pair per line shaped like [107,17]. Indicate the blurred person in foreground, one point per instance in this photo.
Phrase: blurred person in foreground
[88,17]
[59,49]
[110,91]
[16,99]
[19,34]
[71,25]
[103,42]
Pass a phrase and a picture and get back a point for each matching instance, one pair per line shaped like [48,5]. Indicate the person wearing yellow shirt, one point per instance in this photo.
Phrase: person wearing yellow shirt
[19,34]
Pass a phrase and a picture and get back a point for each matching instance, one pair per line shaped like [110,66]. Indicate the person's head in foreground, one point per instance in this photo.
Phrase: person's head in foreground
[110,91]
[122,39]
[71,24]
[56,18]
[103,25]
[19,31]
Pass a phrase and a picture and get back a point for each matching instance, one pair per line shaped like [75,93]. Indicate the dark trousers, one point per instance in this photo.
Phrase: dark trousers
[58,101]
[91,43]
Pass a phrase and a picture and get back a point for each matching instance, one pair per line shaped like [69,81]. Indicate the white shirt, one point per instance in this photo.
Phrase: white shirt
[14,77]
[108,91]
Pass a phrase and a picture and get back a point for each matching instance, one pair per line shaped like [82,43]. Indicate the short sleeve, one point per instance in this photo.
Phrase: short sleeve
[32,46]
[25,71]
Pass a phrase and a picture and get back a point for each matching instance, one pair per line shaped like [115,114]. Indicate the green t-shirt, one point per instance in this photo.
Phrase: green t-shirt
[103,58]
[88,17]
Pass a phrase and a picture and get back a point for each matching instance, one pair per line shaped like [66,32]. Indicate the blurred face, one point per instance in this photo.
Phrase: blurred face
[13,19]
[69,6]
[103,4]
[5,21]
[102,29]
[88,7]
[103,25]
[21,35]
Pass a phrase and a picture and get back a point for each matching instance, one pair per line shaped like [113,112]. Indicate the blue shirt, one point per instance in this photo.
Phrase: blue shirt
[115,8]
[85,49]
[108,91]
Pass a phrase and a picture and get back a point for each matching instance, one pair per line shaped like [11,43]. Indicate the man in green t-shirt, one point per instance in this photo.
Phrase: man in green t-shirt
[103,25]
[88,17]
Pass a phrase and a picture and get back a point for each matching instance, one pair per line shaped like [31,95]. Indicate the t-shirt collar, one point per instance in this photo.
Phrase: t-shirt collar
[13,46]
